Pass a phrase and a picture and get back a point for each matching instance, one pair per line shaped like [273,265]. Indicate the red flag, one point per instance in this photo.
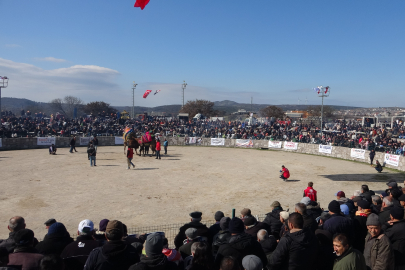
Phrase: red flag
[141,3]
[326,89]
[146,94]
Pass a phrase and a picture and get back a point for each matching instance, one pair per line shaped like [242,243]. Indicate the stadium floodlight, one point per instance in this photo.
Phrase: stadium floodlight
[184,87]
[322,92]
[133,99]
[3,84]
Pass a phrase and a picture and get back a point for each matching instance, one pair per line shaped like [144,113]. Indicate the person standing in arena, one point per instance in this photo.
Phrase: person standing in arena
[310,192]
[158,149]
[165,144]
[130,156]
[285,173]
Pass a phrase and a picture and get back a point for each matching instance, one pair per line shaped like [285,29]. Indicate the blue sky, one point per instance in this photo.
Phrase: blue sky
[275,51]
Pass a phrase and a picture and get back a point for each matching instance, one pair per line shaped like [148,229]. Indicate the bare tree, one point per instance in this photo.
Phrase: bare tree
[205,107]
[66,105]
[272,111]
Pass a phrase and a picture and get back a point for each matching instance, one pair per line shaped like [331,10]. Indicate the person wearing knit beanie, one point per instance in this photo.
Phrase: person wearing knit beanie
[236,226]
[153,244]
[334,207]
[397,213]
[224,223]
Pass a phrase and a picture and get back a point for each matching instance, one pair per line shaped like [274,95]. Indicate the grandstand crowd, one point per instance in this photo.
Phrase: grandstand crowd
[342,133]
[363,231]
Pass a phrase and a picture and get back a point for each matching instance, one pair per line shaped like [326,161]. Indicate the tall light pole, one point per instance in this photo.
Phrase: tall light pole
[184,87]
[3,84]
[133,99]
[322,92]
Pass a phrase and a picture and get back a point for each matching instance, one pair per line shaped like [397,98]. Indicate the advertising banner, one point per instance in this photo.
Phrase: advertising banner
[119,140]
[327,149]
[217,141]
[291,145]
[84,140]
[392,160]
[357,153]
[273,144]
[46,140]
[244,143]
[190,140]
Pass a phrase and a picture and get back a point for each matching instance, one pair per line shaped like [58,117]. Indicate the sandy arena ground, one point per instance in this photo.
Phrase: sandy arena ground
[38,186]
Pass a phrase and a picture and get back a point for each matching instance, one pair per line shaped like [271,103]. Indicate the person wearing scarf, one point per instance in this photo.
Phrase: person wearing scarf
[360,224]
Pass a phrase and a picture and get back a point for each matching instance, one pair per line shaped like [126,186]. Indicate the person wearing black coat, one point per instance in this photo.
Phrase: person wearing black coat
[215,228]
[337,223]
[309,221]
[360,226]
[395,231]
[222,237]
[55,241]
[314,209]
[240,244]
[195,223]
[76,253]
[273,219]
[252,227]
[387,205]
[154,258]
[115,254]
[298,248]
[268,243]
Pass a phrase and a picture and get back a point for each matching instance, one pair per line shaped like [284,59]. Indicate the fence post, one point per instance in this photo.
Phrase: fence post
[233,212]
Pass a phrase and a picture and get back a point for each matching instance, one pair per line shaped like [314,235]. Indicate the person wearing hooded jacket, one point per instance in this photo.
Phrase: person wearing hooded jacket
[273,219]
[154,258]
[298,248]
[55,241]
[115,254]
[223,236]
[240,244]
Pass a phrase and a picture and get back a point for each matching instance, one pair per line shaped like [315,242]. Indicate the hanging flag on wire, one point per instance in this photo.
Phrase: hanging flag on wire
[141,3]
[146,94]
[157,91]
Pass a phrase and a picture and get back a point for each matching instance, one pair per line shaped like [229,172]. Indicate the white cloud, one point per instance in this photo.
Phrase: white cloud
[50,59]
[90,83]
[13,46]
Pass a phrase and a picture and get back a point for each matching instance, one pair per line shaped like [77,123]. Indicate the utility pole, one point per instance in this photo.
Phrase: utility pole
[322,92]
[133,99]
[3,84]
[183,86]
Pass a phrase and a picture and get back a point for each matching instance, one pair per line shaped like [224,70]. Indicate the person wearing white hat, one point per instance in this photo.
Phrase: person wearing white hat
[75,254]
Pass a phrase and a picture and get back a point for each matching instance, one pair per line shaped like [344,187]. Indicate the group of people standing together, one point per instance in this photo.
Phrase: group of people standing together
[130,152]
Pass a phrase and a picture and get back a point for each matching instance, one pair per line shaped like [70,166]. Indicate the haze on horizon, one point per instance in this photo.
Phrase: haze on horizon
[273,51]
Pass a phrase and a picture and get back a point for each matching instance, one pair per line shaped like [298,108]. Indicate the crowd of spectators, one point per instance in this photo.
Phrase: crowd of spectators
[365,231]
[339,133]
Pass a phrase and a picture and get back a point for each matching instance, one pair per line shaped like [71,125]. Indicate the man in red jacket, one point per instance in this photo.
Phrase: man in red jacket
[157,149]
[310,192]
[285,173]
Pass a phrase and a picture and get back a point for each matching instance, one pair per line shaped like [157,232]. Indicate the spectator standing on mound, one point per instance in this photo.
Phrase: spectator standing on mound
[215,228]
[284,173]
[154,258]
[310,192]
[240,244]
[273,219]
[55,241]
[298,248]
[115,254]
[76,253]
[25,255]
[348,258]
[377,250]
[395,231]
[202,230]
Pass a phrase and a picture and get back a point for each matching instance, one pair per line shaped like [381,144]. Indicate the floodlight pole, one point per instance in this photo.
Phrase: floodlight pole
[133,99]
[324,94]
[184,87]
[3,84]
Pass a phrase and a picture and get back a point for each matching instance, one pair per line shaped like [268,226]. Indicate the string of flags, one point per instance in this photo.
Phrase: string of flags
[324,90]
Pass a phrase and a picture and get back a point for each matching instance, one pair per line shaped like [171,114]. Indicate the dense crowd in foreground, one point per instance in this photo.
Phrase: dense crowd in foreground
[342,133]
[365,231]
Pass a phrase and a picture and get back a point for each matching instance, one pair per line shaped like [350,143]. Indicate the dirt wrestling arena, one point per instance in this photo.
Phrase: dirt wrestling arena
[38,186]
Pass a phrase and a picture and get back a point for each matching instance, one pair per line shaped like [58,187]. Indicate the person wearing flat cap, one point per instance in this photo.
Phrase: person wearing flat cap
[252,226]
[115,254]
[360,226]
[395,231]
[192,237]
[49,222]
[202,230]
[252,262]
[378,252]
[240,245]
[154,258]
[214,229]
[24,255]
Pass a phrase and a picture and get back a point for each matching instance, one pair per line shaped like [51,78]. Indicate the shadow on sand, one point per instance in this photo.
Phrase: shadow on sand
[372,177]
[146,169]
